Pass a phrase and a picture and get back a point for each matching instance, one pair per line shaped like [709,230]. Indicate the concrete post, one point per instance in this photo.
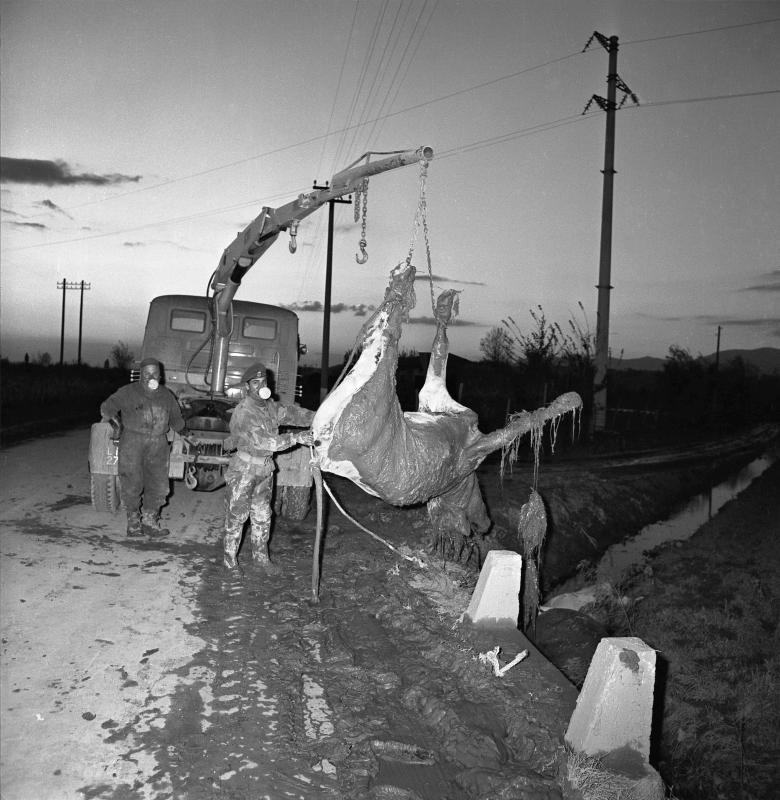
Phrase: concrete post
[496,598]
[615,707]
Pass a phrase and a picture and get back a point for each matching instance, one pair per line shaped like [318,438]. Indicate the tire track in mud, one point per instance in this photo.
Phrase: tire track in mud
[370,694]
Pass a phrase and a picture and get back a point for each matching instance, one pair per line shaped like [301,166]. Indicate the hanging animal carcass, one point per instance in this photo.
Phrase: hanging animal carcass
[430,455]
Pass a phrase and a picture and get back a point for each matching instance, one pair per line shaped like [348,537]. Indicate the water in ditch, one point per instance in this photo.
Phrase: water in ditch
[681,525]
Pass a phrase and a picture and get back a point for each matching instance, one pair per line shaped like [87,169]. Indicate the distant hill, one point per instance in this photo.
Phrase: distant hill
[764,359]
[645,364]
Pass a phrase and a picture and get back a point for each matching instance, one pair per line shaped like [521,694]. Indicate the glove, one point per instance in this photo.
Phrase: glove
[305,437]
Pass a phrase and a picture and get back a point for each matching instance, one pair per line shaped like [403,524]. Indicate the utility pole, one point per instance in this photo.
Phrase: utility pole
[614,83]
[716,378]
[717,352]
[325,363]
[84,287]
[65,284]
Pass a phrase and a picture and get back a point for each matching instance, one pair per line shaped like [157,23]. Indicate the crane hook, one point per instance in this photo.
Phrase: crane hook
[191,477]
[363,256]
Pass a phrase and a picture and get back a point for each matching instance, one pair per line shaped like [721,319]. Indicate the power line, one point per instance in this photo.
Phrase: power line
[507,137]
[186,218]
[406,63]
[338,83]
[319,137]
[704,30]
[440,156]
[414,107]
[378,69]
[709,97]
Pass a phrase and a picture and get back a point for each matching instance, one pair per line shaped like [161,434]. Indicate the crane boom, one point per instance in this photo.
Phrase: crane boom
[251,243]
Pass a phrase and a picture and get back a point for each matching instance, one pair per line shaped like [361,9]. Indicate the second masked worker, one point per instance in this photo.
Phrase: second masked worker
[254,432]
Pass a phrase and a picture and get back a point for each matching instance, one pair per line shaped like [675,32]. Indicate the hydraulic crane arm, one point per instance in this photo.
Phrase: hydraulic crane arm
[249,245]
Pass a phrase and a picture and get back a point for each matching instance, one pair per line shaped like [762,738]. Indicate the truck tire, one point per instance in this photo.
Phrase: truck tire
[104,490]
[295,502]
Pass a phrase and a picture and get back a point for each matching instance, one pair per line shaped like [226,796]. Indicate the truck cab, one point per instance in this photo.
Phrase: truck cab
[178,333]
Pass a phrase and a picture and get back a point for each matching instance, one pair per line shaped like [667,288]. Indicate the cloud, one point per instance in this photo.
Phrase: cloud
[8,211]
[422,276]
[163,242]
[770,285]
[306,305]
[455,322]
[37,225]
[54,173]
[53,207]
[751,322]
[713,319]
[362,309]
[359,310]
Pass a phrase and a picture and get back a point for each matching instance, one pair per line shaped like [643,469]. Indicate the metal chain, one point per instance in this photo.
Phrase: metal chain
[421,217]
[362,256]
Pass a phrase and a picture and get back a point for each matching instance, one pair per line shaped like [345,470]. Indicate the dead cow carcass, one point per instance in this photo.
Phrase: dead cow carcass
[430,455]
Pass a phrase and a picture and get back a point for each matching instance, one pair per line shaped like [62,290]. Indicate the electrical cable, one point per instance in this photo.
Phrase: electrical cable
[518,134]
[404,110]
[696,33]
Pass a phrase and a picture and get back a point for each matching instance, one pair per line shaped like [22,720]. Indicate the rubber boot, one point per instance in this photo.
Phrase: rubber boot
[150,524]
[134,524]
[262,560]
[229,560]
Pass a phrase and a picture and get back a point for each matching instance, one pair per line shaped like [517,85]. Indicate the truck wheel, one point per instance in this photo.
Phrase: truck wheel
[295,502]
[104,491]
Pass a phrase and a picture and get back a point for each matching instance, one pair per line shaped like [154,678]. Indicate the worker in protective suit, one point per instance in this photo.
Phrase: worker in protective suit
[144,411]
[254,432]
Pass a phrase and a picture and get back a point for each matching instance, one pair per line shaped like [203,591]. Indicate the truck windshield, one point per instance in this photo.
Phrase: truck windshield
[255,328]
[190,321]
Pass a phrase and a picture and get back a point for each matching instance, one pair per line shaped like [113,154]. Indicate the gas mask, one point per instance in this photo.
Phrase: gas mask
[259,389]
[150,378]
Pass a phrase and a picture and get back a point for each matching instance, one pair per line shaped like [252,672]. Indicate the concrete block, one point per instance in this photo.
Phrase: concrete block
[615,707]
[496,598]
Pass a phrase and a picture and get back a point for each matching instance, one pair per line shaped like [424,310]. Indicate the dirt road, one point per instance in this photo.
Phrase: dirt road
[144,670]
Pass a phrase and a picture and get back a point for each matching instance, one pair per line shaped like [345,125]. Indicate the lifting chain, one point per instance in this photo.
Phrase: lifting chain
[361,210]
[421,218]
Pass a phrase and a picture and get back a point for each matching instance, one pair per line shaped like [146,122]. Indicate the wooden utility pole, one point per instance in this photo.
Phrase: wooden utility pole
[598,420]
[84,287]
[325,362]
[65,284]
[717,351]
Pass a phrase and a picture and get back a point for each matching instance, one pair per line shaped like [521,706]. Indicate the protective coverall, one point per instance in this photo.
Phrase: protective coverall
[254,432]
[146,414]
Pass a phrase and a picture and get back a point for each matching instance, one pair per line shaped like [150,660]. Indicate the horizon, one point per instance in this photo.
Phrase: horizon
[91,357]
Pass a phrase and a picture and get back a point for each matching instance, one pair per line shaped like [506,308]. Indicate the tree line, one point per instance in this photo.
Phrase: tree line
[688,395]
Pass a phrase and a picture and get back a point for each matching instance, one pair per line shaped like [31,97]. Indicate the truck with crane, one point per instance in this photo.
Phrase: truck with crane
[206,342]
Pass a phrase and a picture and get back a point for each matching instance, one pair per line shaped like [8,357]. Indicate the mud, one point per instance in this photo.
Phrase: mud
[140,669]
[370,693]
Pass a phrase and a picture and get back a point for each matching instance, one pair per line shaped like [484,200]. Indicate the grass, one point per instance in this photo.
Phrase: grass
[594,782]
[718,651]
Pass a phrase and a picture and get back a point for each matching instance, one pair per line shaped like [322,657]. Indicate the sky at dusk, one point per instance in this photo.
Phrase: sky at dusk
[138,138]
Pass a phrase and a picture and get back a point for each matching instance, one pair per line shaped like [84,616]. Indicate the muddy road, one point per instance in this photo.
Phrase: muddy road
[143,670]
